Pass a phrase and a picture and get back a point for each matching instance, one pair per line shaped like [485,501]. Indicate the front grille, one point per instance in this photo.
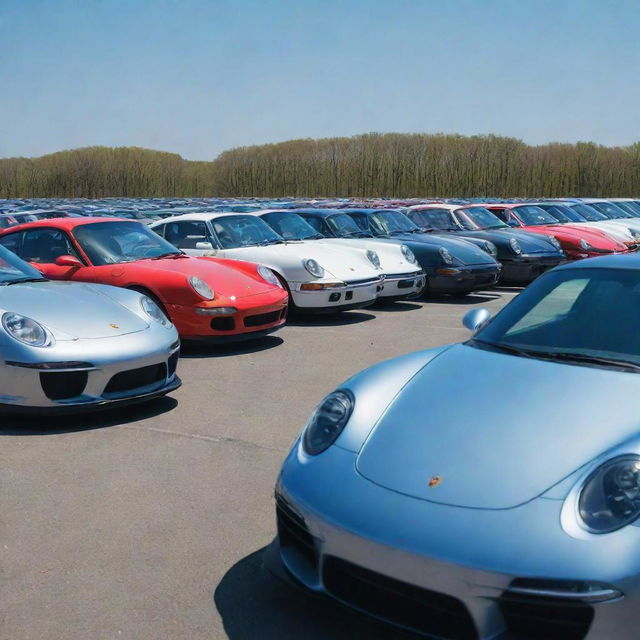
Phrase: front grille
[293,533]
[136,378]
[538,618]
[263,318]
[63,385]
[172,363]
[403,604]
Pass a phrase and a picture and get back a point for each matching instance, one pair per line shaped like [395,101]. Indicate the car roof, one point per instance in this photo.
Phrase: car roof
[620,261]
[65,223]
[203,216]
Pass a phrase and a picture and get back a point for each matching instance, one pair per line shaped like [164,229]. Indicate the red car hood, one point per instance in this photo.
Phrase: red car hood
[570,233]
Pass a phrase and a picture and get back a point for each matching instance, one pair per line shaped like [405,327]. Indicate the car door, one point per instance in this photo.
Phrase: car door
[44,245]
[191,236]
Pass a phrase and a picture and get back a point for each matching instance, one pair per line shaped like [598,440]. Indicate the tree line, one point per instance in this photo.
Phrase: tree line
[370,165]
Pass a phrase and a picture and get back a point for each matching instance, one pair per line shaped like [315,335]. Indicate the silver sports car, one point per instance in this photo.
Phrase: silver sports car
[67,346]
[489,489]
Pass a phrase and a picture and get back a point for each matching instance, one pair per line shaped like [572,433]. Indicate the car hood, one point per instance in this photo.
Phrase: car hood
[340,262]
[568,232]
[71,310]
[531,243]
[465,251]
[499,430]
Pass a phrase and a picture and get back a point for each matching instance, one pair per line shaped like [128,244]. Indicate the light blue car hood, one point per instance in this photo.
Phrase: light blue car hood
[498,429]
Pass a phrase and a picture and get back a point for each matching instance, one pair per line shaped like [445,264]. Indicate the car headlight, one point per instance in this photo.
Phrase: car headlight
[409,256]
[201,288]
[555,242]
[327,421]
[610,497]
[374,258]
[584,244]
[154,311]
[490,248]
[268,275]
[515,246]
[26,330]
[313,268]
[447,258]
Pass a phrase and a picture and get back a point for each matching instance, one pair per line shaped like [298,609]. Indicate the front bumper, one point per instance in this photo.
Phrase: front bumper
[353,295]
[375,550]
[103,372]
[399,286]
[256,315]
[528,268]
[463,279]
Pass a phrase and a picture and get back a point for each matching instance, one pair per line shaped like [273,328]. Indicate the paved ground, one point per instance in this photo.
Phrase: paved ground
[149,523]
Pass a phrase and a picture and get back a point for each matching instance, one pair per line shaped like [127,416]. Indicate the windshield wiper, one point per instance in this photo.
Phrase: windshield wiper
[568,356]
[526,353]
[170,254]
[23,280]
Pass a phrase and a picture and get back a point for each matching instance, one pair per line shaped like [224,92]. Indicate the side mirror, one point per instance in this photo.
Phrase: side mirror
[69,261]
[204,246]
[475,319]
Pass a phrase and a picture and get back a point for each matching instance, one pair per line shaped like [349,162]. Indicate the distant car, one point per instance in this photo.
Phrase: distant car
[524,256]
[489,489]
[319,278]
[576,242]
[67,346]
[453,267]
[211,299]
[403,277]
[7,220]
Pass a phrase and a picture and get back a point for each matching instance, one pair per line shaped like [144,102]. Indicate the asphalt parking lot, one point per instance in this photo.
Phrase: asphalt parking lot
[150,522]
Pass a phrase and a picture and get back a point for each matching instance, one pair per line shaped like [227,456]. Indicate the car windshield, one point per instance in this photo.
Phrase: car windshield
[113,242]
[393,223]
[630,207]
[562,214]
[588,212]
[473,218]
[343,225]
[568,315]
[532,215]
[291,226]
[610,210]
[12,269]
[434,219]
[244,231]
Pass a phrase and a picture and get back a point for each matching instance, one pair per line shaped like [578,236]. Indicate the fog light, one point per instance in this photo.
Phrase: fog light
[578,590]
[334,297]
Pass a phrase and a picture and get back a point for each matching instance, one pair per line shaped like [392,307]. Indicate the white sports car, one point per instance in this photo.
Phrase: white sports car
[320,278]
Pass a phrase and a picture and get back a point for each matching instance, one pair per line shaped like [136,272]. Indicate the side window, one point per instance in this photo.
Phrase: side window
[316,223]
[186,234]
[503,214]
[12,242]
[361,221]
[159,230]
[45,245]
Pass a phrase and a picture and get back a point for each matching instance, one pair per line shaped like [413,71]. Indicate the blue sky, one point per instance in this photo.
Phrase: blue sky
[200,76]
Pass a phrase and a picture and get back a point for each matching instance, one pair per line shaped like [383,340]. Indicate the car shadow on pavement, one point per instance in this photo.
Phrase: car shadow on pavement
[395,307]
[256,605]
[44,425]
[329,319]
[195,349]
[472,298]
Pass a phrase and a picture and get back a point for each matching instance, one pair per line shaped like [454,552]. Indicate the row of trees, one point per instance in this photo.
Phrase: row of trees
[396,165]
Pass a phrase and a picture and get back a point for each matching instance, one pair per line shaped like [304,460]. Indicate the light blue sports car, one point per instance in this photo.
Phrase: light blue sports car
[489,489]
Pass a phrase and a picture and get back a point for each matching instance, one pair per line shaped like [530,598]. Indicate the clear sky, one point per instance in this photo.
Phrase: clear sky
[200,76]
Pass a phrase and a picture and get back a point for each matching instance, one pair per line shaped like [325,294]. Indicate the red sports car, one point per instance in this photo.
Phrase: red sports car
[576,241]
[206,298]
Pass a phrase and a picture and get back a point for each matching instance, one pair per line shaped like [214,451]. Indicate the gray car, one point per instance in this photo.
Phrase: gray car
[489,489]
[67,346]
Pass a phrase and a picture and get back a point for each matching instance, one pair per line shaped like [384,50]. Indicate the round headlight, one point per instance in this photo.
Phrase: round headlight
[25,330]
[154,311]
[328,421]
[313,268]
[447,258]
[515,246]
[268,275]
[610,497]
[584,244]
[374,258]
[491,249]
[201,287]
[408,254]
[555,242]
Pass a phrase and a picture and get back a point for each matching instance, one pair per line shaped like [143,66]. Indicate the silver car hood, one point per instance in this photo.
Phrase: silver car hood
[497,429]
[71,310]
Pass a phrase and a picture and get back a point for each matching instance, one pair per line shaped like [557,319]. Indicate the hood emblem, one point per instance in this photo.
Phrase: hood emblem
[434,481]
[114,326]
[351,269]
